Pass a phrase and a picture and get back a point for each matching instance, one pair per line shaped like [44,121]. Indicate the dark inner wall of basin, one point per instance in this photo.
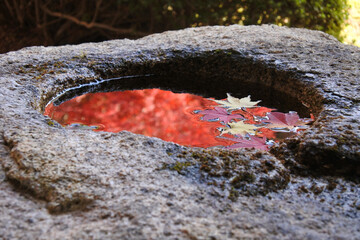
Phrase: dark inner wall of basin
[191,84]
[212,75]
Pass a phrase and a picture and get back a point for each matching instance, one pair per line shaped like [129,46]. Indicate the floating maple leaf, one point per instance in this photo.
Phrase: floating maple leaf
[248,142]
[233,103]
[219,114]
[282,120]
[239,128]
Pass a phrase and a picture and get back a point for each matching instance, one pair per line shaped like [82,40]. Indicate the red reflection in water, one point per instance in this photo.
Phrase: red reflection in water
[151,112]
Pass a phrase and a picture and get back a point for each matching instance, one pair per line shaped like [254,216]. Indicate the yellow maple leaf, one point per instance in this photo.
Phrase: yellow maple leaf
[239,128]
[233,103]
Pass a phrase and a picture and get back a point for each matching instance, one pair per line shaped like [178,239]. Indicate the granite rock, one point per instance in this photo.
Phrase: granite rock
[59,183]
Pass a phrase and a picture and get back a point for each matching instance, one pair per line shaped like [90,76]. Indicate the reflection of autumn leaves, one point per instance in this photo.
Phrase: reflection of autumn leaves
[266,132]
[150,112]
[171,117]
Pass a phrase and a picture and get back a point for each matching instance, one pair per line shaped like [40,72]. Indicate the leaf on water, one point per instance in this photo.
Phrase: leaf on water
[239,128]
[233,103]
[251,142]
[259,126]
[219,114]
[282,120]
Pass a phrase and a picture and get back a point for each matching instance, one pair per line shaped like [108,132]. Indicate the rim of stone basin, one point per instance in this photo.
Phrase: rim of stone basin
[54,162]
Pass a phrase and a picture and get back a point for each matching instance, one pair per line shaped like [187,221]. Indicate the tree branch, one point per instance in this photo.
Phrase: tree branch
[98,3]
[91,24]
[18,12]
[9,8]
[37,14]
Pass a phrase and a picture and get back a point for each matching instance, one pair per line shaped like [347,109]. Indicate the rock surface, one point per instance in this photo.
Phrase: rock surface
[59,183]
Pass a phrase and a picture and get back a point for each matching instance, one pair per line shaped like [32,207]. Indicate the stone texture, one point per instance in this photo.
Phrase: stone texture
[59,183]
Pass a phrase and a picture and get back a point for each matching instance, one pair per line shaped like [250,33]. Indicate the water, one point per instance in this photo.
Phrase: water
[183,118]
[150,112]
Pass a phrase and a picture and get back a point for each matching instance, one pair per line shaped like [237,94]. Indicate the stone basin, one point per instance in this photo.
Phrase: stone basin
[85,184]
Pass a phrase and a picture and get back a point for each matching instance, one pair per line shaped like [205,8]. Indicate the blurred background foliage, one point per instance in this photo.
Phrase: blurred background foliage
[67,21]
[351,32]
